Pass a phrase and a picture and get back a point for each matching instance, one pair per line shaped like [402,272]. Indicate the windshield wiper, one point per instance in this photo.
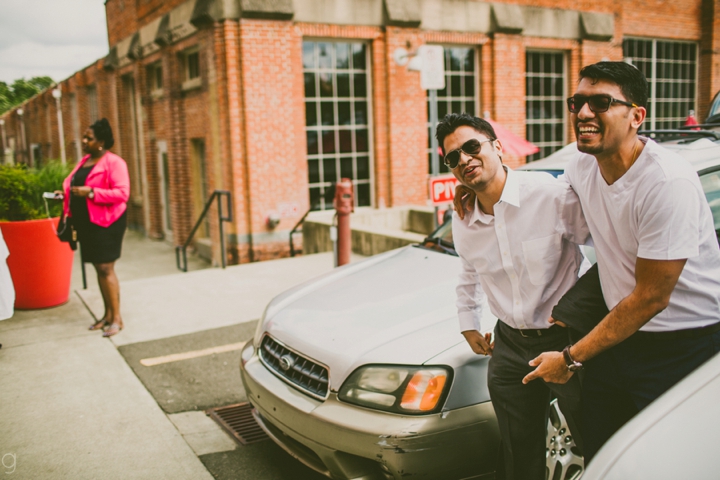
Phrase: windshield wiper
[440,244]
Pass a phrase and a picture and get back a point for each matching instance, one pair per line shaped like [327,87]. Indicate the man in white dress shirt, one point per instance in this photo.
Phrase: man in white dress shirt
[657,253]
[518,244]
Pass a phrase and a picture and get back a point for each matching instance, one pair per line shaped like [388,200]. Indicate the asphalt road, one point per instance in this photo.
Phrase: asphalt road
[183,385]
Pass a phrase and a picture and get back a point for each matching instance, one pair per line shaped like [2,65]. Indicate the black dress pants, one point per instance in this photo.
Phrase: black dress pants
[522,410]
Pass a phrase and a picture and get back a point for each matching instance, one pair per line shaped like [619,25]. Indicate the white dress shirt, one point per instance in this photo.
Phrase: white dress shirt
[656,211]
[525,257]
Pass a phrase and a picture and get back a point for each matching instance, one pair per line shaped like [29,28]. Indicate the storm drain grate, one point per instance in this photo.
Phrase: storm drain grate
[238,422]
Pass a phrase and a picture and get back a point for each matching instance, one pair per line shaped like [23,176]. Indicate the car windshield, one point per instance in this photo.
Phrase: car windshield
[441,240]
[711,186]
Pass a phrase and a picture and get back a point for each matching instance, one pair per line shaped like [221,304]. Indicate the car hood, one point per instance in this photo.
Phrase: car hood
[397,309]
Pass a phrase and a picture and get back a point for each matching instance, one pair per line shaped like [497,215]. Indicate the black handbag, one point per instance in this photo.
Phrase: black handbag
[66,232]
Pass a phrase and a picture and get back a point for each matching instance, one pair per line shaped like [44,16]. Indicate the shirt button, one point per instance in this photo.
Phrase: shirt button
[517,303]
[505,253]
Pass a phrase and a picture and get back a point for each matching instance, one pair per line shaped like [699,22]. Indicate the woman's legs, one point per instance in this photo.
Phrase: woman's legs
[110,288]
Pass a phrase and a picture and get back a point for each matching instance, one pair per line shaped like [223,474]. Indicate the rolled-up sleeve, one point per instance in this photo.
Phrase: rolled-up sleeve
[470,298]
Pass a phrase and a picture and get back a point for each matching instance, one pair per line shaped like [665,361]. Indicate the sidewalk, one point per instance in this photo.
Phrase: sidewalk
[71,407]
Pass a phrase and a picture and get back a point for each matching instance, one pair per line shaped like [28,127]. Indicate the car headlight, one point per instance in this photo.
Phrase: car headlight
[399,389]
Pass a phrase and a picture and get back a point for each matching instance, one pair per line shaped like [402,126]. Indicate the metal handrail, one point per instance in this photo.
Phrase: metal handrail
[294,231]
[182,249]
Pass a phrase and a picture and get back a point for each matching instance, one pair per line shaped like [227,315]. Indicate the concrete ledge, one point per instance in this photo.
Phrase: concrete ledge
[373,231]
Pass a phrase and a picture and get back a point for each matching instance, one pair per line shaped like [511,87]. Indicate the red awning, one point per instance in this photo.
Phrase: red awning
[511,143]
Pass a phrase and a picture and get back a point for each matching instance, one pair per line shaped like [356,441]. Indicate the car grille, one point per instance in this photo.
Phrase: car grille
[300,372]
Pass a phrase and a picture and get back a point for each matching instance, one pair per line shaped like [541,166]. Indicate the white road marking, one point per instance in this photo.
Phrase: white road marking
[176,357]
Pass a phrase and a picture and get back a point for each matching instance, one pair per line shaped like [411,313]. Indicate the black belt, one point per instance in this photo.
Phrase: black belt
[678,334]
[532,333]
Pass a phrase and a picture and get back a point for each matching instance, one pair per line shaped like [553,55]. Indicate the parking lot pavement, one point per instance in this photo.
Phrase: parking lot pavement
[181,384]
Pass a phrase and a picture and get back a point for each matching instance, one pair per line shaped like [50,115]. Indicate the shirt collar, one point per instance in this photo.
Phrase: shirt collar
[510,195]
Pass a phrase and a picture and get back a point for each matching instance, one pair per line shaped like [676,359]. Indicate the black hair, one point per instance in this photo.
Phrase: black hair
[453,121]
[632,82]
[102,131]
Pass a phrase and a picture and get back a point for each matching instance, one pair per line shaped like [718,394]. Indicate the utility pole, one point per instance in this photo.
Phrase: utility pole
[57,95]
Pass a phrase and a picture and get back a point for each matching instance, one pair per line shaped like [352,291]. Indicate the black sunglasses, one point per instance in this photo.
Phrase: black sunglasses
[597,103]
[471,147]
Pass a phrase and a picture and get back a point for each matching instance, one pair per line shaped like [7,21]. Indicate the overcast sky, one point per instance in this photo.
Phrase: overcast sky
[50,37]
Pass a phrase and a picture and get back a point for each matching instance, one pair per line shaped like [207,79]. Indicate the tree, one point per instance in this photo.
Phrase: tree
[21,90]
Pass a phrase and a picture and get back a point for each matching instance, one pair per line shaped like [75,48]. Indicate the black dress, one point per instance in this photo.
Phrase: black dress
[97,244]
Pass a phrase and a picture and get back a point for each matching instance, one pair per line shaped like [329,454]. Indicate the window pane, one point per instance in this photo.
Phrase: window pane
[310,114]
[309,85]
[308,55]
[328,142]
[346,170]
[326,113]
[363,168]
[345,141]
[344,113]
[360,81]
[363,194]
[342,52]
[330,170]
[361,113]
[325,55]
[358,50]
[361,140]
[313,171]
[326,88]
[312,143]
[343,85]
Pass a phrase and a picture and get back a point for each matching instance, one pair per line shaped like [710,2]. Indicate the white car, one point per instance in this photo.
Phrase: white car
[363,373]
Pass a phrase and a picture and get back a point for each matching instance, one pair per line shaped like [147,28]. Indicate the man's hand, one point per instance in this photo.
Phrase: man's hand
[551,367]
[557,322]
[480,344]
[463,193]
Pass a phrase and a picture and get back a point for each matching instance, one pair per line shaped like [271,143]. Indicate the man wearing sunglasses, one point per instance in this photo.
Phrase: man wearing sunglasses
[657,253]
[518,245]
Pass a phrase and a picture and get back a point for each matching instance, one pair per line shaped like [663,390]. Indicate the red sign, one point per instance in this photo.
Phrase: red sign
[442,189]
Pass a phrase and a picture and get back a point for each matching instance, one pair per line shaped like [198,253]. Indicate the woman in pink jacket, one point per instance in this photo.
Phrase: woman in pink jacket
[96,195]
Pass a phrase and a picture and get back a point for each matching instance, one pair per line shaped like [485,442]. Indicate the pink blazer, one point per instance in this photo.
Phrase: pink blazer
[110,182]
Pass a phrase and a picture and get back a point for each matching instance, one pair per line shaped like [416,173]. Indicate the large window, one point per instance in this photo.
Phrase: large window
[671,70]
[337,117]
[460,93]
[545,101]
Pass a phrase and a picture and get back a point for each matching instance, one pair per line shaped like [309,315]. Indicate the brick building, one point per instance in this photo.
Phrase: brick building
[276,99]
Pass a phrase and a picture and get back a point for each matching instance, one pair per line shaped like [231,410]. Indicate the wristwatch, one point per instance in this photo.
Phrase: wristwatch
[572,365]
[91,195]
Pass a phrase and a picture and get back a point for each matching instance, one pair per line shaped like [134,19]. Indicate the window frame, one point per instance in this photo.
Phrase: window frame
[651,120]
[318,127]
[190,83]
[563,108]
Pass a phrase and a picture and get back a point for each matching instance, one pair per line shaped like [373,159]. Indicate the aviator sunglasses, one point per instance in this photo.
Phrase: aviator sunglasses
[471,147]
[597,103]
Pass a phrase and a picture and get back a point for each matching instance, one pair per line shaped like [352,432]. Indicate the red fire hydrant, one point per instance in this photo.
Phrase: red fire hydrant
[344,206]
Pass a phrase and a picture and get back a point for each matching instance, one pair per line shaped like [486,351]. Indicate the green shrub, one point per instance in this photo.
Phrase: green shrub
[21,190]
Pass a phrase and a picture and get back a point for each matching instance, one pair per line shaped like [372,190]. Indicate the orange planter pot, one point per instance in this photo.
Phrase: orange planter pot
[40,264]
